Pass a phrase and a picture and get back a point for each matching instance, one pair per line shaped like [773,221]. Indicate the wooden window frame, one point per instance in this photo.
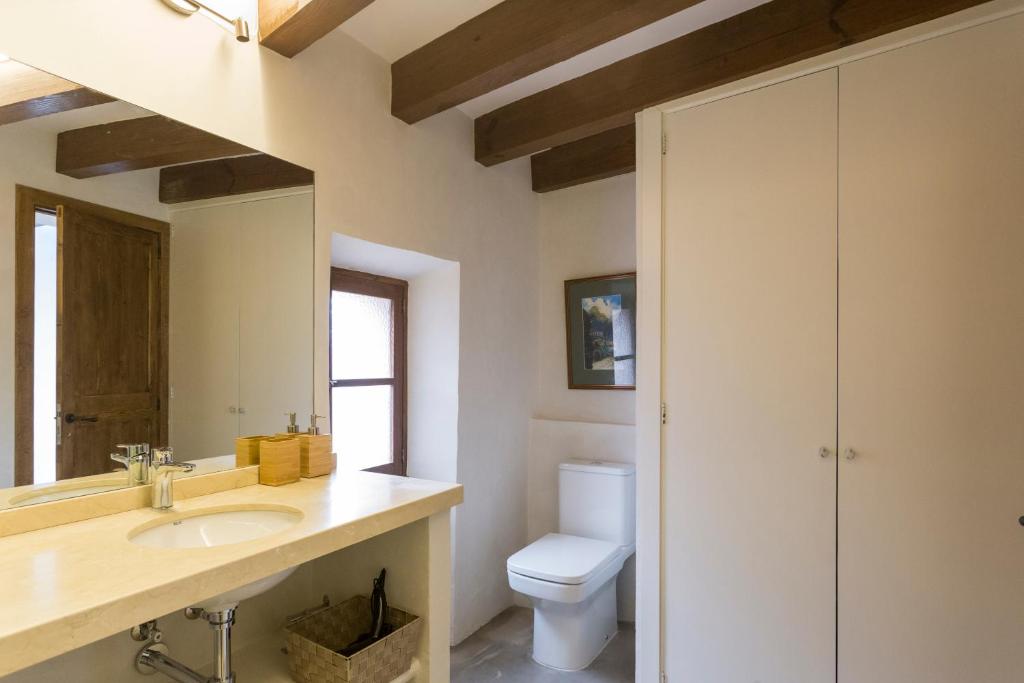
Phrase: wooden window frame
[28,200]
[355,282]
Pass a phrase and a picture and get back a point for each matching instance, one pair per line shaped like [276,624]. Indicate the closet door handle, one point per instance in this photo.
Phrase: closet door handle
[824,452]
[850,454]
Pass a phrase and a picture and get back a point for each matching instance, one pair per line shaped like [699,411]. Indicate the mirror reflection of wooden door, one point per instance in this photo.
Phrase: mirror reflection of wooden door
[111,346]
[113,295]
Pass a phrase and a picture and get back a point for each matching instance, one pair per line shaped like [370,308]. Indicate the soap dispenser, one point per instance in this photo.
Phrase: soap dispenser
[315,457]
[314,428]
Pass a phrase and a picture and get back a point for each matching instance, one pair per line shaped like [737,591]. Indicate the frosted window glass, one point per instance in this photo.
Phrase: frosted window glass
[361,422]
[44,429]
[362,336]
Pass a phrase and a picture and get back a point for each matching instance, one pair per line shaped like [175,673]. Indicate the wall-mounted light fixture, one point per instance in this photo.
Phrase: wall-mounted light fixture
[189,7]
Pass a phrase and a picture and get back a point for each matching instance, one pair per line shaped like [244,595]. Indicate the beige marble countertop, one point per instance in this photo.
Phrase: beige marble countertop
[71,585]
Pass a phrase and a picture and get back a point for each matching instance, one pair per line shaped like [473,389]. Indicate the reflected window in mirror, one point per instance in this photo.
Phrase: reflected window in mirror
[44,427]
[368,371]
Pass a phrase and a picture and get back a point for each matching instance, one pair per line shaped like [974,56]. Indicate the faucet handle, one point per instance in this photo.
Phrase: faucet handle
[163,456]
[133,450]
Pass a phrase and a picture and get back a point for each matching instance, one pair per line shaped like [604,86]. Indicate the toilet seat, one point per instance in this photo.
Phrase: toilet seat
[564,559]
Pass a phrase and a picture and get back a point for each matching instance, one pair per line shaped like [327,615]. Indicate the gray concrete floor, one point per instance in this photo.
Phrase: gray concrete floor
[501,651]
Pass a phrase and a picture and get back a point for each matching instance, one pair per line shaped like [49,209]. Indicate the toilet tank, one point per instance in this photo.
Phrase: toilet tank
[597,500]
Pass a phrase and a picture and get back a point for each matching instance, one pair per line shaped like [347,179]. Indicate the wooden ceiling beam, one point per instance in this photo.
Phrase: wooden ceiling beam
[229,177]
[771,35]
[600,156]
[135,144]
[507,42]
[290,26]
[26,93]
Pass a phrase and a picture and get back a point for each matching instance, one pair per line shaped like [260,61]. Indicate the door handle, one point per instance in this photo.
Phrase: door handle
[71,418]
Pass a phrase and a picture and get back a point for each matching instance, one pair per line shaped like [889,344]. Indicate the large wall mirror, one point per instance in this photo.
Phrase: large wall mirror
[156,287]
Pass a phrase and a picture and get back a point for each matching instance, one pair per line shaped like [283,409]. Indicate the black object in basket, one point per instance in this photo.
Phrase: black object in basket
[313,641]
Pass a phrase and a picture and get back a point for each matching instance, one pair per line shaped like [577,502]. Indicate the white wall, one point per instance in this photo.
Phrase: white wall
[433,411]
[415,187]
[584,231]
[28,153]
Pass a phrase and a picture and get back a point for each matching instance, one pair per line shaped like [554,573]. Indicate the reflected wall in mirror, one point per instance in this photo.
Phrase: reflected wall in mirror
[156,287]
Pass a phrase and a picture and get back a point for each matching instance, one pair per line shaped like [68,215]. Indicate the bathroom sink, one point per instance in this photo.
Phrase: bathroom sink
[212,527]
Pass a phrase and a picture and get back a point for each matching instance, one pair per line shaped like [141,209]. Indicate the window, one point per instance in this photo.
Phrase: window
[44,357]
[368,342]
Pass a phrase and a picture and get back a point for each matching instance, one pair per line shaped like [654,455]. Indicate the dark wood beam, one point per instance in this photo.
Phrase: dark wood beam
[768,36]
[26,93]
[229,177]
[290,26]
[148,142]
[600,156]
[507,42]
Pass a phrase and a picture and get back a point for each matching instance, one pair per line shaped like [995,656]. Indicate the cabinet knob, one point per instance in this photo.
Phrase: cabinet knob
[824,452]
[850,454]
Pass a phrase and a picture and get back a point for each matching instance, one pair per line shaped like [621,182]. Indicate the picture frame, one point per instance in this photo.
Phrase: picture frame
[600,332]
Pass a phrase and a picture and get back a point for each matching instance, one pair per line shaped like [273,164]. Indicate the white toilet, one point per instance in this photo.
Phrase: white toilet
[570,576]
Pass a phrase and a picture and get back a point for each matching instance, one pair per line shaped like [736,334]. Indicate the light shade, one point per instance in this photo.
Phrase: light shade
[241,30]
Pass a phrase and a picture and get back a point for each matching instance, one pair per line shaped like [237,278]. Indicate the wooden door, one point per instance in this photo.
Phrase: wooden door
[749,363]
[109,339]
[931,311]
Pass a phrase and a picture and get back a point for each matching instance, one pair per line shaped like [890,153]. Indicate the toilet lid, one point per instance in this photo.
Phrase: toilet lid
[561,558]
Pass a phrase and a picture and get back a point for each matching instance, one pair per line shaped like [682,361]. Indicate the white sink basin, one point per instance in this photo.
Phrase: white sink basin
[212,527]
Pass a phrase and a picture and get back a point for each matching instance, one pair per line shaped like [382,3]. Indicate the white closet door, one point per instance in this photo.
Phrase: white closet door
[275,312]
[931,310]
[750,385]
[204,332]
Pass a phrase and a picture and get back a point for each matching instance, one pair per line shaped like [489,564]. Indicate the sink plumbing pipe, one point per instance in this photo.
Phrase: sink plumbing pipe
[154,657]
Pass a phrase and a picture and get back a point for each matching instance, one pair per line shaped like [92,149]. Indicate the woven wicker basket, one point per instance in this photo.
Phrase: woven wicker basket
[312,643]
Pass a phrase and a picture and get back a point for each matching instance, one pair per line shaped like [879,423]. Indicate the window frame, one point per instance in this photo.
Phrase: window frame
[368,284]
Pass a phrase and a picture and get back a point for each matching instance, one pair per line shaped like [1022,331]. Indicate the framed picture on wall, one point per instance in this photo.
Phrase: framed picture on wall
[600,331]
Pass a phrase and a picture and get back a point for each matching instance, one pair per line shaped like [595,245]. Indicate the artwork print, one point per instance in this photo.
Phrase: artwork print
[601,332]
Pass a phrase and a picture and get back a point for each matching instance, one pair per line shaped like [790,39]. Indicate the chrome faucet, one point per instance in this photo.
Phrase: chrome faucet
[162,469]
[137,461]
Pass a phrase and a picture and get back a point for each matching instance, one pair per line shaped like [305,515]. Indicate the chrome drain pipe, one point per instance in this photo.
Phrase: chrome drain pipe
[155,658]
[221,622]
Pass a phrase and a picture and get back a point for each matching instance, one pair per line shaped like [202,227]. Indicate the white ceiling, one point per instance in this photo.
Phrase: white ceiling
[394,28]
